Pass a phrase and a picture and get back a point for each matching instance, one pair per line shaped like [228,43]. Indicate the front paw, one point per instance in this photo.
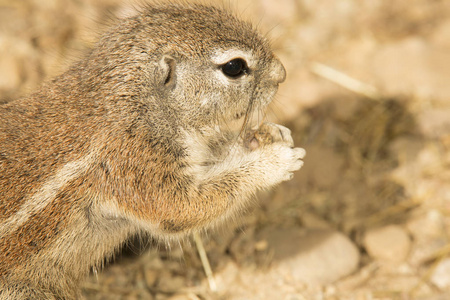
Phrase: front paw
[285,161]
[267,134]
[279,158]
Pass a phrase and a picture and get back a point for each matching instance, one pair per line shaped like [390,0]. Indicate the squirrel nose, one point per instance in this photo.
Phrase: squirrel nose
[278,72]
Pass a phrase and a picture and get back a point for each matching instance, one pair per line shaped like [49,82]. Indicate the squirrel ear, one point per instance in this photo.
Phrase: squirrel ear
[167,66]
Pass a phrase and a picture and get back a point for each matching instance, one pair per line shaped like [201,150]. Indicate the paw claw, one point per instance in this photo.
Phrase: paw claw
[288,177]
[300,153]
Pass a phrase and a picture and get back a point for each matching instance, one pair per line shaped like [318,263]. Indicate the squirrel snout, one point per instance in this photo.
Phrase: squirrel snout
[278,72]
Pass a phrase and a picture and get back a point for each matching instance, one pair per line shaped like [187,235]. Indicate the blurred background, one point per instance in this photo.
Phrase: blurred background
[367,95]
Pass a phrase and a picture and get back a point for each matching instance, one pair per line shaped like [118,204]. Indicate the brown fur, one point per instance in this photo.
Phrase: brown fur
[126,141]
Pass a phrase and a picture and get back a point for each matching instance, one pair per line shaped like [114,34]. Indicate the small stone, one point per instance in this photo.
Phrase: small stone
[390,243]
[316,256]
[441,275]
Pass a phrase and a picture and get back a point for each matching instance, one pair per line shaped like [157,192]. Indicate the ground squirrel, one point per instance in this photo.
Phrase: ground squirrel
[133,138]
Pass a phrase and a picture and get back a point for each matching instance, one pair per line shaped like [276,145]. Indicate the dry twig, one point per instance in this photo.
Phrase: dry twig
[205,262]
[345,81]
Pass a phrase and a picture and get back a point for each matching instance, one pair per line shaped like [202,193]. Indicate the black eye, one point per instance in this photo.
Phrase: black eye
[235,68]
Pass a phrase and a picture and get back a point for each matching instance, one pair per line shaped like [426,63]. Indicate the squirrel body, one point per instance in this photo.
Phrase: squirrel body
[130,139]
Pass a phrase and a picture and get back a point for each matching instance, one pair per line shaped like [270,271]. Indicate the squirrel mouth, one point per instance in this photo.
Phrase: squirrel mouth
[247,120]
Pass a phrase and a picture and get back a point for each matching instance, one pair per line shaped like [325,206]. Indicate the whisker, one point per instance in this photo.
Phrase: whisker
[275,109]
[261,119]
[243,131]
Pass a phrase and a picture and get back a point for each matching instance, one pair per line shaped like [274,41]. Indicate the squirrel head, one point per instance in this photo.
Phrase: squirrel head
[199,62]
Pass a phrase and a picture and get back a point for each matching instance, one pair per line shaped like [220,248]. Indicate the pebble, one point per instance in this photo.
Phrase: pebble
[316,256]
[441,275]
[390,243]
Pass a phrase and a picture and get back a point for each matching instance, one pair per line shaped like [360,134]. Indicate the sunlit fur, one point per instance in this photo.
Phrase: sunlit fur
[136,137]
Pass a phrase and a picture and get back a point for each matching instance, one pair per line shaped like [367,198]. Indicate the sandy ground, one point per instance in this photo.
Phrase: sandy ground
[368,97]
